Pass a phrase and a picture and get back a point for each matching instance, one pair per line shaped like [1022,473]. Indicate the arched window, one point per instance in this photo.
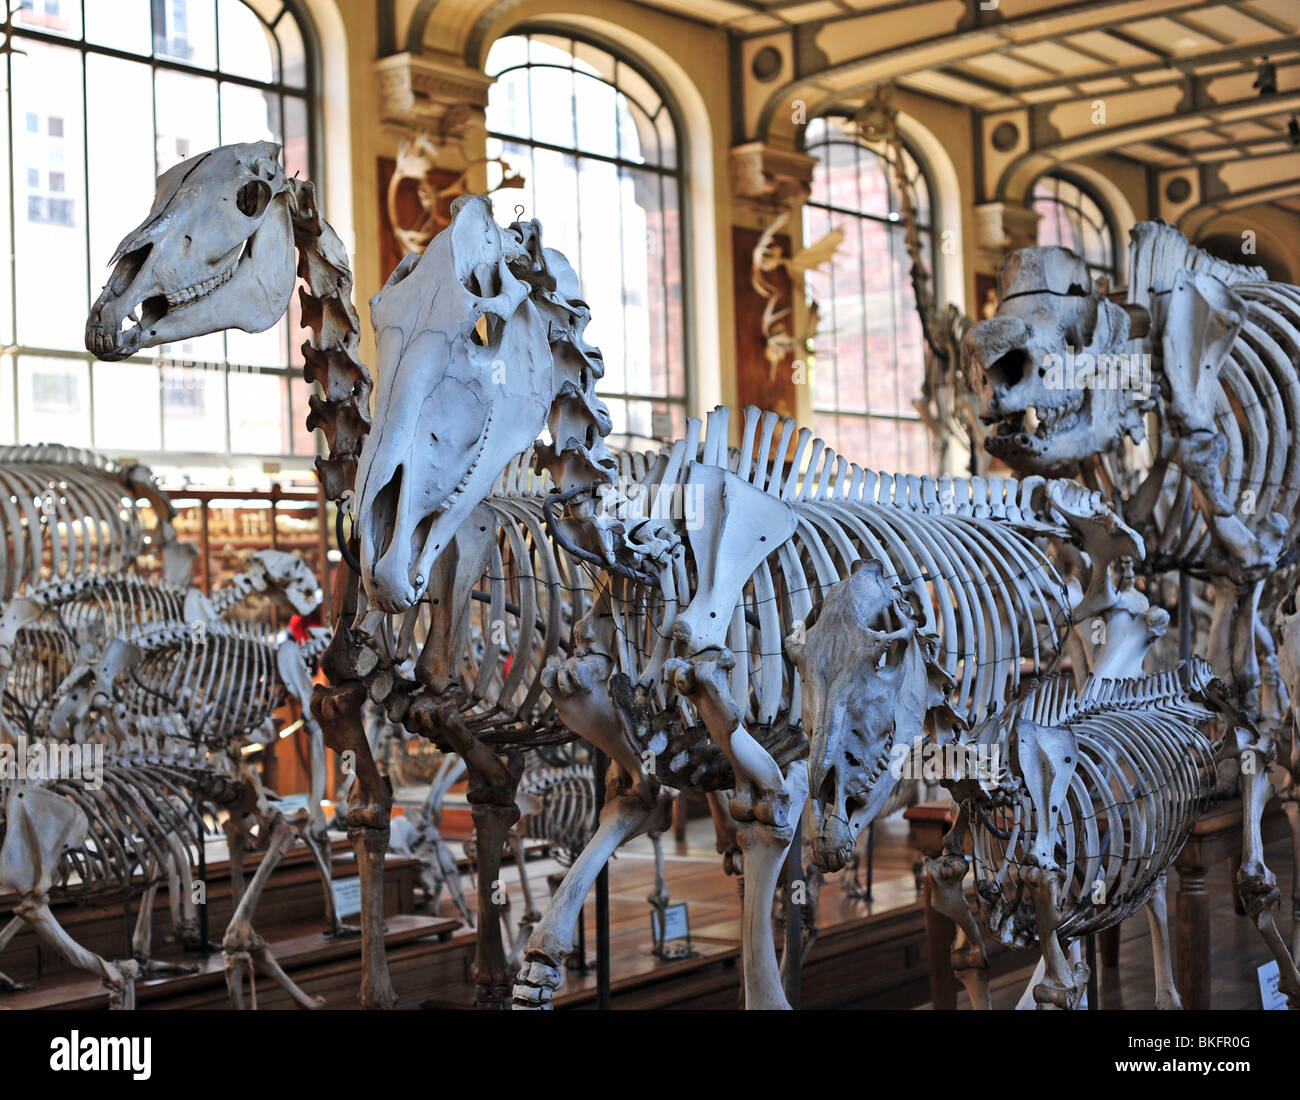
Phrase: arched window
[868,355]
[106,95]
[599,146]
[1070,216]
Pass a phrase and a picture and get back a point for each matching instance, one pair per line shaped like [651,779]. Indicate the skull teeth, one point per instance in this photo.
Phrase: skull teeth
[198,290]
[457,492]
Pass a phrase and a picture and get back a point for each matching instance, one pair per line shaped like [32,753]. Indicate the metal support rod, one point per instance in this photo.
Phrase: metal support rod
[1185,598]
[1090,949]
[578,960]
[871,857]
[203,877]
[793,920]
[601,766]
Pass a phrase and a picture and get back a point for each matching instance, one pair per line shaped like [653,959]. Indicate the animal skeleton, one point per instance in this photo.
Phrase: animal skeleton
[411,503]
[67,513]
[69,644]
[1080,833]
[668,610]
[529,595]
[1219,496]
[63,838]
[164,683]
[417,157]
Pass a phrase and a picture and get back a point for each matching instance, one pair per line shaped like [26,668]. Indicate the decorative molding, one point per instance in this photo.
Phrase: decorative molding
[1000,226]
[770,178]
[430,92]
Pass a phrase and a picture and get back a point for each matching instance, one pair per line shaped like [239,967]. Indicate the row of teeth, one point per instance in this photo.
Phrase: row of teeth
[868,781]
[198,290]
[464,483]
[1062,416]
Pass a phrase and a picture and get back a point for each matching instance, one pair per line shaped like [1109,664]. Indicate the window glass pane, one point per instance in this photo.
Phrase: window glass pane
[187,116]
[551,92]
[79,181]
[295,139]
[61,17]
[593,60]
[258,418]
[7,399]
[597,117]
[573,97]
[508,104]
[49,197]
[506,53]
[121,157]
[54,400]
[1072,218]
[550,49]
[293,54]
[249,114]
[638,139]
[127,396]
[194,409]
[247,47]
[7,285]
[186,30]
[302,442]
[868,357]
[120,24]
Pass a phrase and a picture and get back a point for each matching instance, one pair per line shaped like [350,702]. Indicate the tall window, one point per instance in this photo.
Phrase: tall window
[106,95]
[1071,217]
[868,356]
[599,147]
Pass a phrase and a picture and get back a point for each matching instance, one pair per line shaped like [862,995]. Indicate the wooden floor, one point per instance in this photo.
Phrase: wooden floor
[868,954]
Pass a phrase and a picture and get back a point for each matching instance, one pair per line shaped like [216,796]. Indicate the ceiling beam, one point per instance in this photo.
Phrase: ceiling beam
[878,65]
[1187,63]
[1092,141]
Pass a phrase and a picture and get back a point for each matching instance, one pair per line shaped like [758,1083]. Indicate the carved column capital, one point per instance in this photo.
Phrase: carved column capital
[435,93]
[1001,227]
[769,178]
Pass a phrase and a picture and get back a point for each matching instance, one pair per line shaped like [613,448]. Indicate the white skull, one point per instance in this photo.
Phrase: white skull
[216,252]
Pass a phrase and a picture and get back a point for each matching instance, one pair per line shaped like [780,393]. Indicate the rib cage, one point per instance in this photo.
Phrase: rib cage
[217,683]
[566,820]
[963,547]
[67,513]
[1145,773]
[1257,403]
[964,550]
[141,823]
[43,656]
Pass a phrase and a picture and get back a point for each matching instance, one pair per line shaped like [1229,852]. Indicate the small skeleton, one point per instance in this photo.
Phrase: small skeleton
[1078,829]
[63,838]
[165,683]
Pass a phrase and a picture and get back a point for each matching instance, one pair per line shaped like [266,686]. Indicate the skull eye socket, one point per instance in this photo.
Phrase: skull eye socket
[253,197]
[1010,369]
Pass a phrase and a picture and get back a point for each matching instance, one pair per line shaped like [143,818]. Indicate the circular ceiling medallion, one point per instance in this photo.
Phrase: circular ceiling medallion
[766,65]
[1178,189]
[1005,136]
